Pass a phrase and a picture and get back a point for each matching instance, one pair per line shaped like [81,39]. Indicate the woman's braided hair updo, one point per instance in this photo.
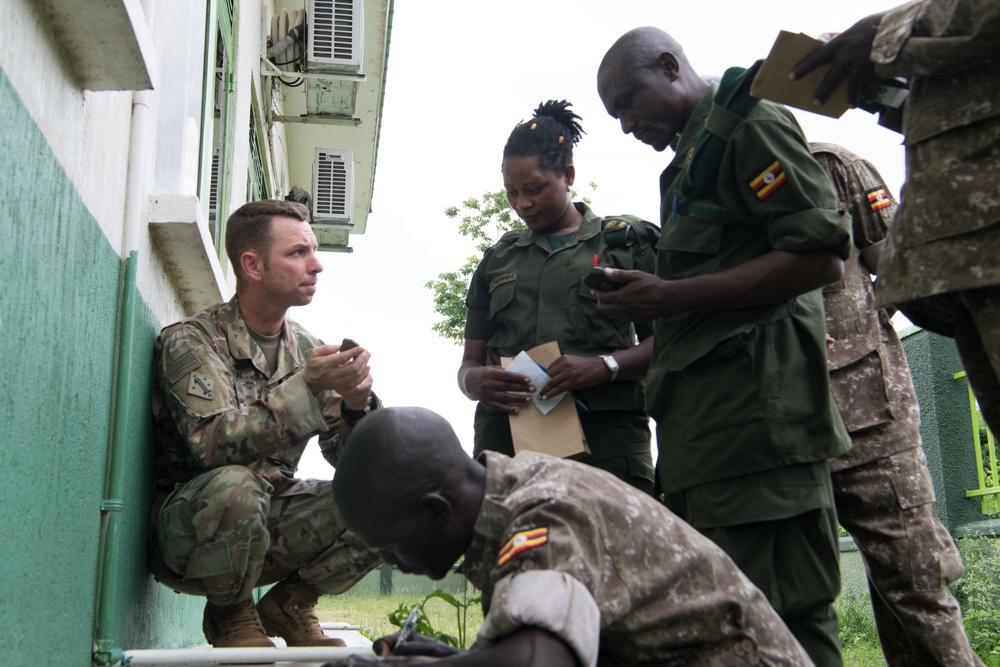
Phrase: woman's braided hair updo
[549,136]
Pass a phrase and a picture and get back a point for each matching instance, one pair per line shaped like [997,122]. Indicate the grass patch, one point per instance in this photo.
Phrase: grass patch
[371,612]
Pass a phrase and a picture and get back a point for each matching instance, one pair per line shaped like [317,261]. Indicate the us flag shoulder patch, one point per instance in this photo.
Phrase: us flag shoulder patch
[526,539]
[878,198]
[769,177]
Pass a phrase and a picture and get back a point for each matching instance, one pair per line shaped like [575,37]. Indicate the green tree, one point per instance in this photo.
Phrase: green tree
[483,221]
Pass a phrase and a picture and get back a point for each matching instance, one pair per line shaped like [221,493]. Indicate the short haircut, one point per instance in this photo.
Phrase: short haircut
[249,228]
[549,136]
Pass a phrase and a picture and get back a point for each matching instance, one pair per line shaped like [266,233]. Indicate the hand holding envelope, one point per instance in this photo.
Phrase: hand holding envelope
[554,428]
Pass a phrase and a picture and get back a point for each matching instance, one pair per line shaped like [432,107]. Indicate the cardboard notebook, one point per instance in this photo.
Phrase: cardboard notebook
[557,433]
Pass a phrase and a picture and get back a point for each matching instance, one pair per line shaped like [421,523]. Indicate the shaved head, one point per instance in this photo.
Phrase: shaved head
[640,47]
[405,486]
[648,85]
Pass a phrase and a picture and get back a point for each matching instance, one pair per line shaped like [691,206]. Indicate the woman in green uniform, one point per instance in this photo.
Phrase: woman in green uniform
[529,290]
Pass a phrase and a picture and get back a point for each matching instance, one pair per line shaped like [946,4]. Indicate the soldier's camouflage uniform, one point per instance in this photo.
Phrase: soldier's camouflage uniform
[882,486]
[614,574]
[941,265]
[230,514]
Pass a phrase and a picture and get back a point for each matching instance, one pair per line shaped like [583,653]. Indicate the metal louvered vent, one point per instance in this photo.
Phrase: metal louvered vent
[335,35]
[333,185]
[213,184]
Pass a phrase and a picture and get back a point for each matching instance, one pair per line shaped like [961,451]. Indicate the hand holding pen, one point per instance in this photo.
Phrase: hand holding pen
[407,630]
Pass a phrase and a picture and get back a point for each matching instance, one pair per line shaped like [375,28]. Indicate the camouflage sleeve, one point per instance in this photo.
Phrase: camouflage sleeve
[332,442]
[547,599]
[863,194]
[932,37]
[224,419]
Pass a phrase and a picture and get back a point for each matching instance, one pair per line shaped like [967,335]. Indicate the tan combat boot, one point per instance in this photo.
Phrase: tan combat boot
[234,626]
[287,611]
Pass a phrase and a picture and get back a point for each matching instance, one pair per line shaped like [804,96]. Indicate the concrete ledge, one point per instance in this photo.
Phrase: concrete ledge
[107,42]
[181,239]
[988,528]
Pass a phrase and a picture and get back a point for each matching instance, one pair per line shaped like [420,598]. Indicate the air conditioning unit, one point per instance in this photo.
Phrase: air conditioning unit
[333,185]
[335,35]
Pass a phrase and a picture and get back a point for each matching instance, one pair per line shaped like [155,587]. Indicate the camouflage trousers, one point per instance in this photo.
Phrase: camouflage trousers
[910,558]
[226,532]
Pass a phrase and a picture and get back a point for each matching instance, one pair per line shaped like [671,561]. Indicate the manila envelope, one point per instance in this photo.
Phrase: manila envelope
[772,82]
[558,433]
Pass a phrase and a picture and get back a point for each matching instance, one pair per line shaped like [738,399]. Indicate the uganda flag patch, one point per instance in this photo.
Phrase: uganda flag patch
[877,198]
[769,178]
[526,539]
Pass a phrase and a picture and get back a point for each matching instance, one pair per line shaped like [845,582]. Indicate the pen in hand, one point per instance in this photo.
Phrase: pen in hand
[407,629]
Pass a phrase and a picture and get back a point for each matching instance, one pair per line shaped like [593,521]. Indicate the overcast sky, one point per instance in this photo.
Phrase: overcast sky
[461,74]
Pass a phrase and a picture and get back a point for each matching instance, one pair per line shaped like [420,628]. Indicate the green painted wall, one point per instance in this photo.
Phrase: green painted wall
[945,424]
[58,304]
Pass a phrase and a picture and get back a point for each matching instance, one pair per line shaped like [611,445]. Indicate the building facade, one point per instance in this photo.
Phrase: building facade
[131,130]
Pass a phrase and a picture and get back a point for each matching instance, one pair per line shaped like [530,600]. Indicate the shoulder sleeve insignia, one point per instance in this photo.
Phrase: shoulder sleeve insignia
[502,279]
[613,224]
[689,156]
[878,198]
[526,539]
[767,179]
[183,365]
[201,386]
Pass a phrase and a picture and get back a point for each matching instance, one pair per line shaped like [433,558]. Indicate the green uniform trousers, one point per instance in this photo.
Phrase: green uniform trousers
[796,563]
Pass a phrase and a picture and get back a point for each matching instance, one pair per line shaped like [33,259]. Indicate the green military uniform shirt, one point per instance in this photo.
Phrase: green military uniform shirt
[744,393]
[524,294]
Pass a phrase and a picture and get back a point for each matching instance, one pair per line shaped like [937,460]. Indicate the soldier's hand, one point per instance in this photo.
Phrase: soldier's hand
[417,644]
[498,389]
[347,373]
[849,57]
[644,296]
[570,372]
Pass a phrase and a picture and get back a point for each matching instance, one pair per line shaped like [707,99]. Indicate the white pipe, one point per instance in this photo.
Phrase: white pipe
[339,626]
[187,656]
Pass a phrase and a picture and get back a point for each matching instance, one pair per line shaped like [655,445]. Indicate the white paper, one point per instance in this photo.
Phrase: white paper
[525,365]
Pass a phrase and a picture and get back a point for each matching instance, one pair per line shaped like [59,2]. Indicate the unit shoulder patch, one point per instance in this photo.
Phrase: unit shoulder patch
[201,386]
[767,178]
[878,198]
[613,224]
[503,279]
[522,541]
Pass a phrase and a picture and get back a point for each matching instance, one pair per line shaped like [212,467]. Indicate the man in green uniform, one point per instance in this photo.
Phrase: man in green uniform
[576,567]
[238,391]
[738,384]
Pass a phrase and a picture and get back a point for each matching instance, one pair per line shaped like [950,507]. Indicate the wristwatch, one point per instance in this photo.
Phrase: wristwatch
[355,415]
[612,365]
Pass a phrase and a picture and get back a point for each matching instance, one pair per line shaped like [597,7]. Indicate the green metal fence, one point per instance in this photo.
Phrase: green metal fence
[986,458]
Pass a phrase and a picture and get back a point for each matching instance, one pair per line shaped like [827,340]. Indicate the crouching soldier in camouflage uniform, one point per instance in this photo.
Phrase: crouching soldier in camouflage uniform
[575,566]
[882,486]
[238,392]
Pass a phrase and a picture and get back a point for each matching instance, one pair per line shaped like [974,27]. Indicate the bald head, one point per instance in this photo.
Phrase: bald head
[405,486]
[647,83]
[640,47]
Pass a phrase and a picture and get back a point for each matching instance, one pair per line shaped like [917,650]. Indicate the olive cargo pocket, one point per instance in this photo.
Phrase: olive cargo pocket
[718,392]
[500,299]
[690,244]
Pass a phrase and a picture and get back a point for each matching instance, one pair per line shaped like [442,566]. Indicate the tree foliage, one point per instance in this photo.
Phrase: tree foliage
[484,221]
